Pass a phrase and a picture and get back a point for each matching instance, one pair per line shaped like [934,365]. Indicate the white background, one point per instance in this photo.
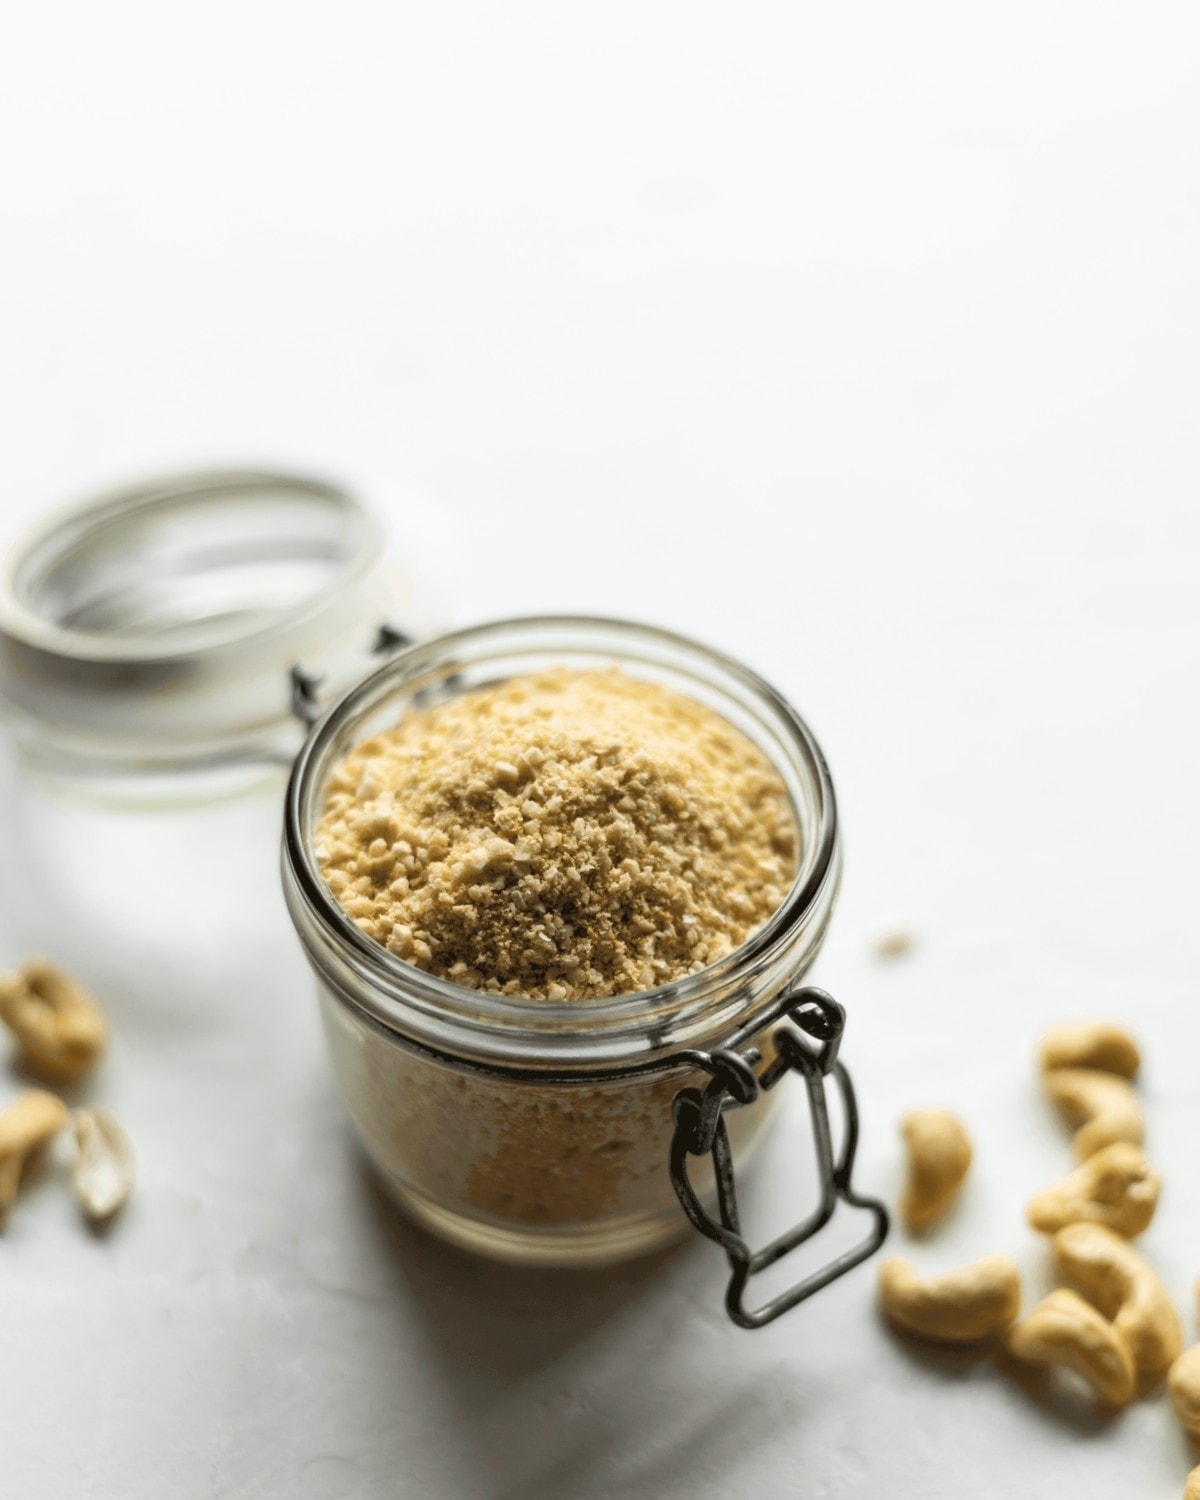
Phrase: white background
[860,340]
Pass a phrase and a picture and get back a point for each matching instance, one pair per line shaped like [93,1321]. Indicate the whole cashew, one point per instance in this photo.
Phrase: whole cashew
[1103,1105]
[960,1307]
[1117,1187]
[1090,1044]
[1192,1492]
[1112,1275]
[1064,1330]
[1183,1386]
[939,1157]
[58,1026]
[25,1127]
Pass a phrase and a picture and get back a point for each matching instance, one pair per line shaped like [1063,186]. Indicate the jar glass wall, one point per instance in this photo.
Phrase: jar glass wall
[532,1129]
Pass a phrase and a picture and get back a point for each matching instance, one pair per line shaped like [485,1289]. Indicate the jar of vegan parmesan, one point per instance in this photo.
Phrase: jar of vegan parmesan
[578,1130]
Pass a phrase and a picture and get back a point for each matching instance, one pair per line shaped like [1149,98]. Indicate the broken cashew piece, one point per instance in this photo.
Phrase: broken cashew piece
[25,1127]
[1192,1492]
[1064,1330]
[1102,1045]
[1111,1274]
[1117,1187]
[104,1164]
[959,1307]
[1104,1106]
[939,1157]
[58,1026]
[895,942]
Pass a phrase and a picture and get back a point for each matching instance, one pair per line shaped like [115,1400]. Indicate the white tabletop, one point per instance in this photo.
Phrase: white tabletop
[860,341]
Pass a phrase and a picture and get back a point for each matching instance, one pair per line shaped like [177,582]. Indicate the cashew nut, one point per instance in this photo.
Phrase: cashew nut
[1112,1275]
[1183,1386]
[1103,1105]
[104,1165]
[939,1157]
[58,1026]
[1064,1330]
[1102,1045]
[960,1307]
[1192,1492]
[25,1127]
[1117,1187]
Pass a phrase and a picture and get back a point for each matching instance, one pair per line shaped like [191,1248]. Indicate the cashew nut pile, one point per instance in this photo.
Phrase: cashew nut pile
[1111,1321]
[1094,1213]
[60,1034]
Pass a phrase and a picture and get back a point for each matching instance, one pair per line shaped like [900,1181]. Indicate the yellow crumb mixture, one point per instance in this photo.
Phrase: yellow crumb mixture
[559,836]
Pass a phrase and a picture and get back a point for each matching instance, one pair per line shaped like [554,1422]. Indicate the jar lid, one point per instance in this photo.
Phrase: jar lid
[154,630]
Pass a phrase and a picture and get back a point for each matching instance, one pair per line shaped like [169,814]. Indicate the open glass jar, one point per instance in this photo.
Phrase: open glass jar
[148,637]
[155,643]
[573,1133]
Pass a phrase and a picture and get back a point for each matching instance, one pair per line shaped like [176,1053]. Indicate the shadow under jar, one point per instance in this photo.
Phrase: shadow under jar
[556,1132]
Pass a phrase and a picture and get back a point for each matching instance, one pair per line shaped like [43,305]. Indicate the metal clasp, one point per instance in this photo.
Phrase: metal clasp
[700,1130]
[304,684]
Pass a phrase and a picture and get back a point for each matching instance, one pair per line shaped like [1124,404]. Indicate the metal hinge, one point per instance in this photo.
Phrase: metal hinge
[304,701]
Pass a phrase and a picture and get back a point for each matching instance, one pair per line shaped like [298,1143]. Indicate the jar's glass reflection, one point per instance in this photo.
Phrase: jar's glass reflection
[127,895]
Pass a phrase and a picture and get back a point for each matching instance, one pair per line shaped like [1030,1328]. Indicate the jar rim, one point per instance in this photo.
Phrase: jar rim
[518,1027]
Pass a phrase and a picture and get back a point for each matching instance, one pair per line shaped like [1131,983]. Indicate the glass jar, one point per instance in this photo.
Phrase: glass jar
[571,1133]
[148,637]
[155,645]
